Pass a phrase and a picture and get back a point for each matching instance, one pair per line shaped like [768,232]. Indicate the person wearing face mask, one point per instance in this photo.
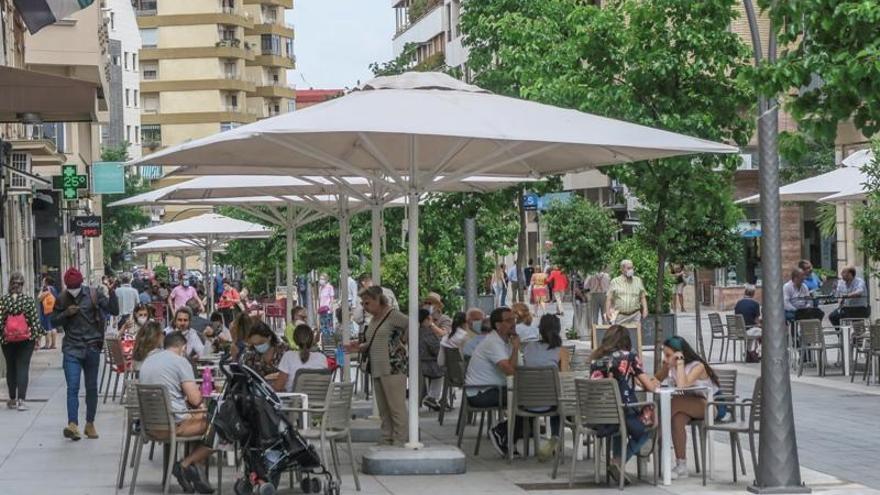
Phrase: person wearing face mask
[181,294]
[264,351]
[439,325]
[228,303]
[78,310]
[216,334]
[173,371]
[438,322]
[127,295]
[140,315]
[626,301]
[20,330]
[326,298]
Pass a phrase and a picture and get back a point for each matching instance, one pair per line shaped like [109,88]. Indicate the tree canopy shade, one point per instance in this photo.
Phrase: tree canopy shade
[582,233]
[672,64]
[828,53]
[867,218]
[120,221]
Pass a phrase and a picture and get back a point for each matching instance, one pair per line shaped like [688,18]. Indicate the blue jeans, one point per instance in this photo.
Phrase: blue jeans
[74,367]
[636,432]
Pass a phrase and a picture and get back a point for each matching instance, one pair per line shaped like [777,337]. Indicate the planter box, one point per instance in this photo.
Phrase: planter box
[667,324]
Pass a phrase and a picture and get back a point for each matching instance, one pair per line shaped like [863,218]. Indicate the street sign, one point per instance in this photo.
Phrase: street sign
[108,178]
[69,182]
[530,202]
[86,226]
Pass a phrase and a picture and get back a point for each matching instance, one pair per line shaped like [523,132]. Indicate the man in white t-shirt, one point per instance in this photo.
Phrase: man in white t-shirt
[194,344]
[493,361]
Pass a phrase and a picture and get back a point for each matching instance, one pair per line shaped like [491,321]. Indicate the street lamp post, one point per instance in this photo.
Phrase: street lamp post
[778,466]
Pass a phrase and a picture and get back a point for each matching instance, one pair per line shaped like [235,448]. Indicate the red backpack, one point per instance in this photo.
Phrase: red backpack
[16,329]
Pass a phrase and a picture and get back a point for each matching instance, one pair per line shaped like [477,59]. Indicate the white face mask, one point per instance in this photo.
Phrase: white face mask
[322,281]
[629,273]
[141,320]
[74,292]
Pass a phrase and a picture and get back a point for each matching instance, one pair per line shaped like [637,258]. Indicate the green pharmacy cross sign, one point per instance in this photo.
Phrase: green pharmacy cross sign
[69,182]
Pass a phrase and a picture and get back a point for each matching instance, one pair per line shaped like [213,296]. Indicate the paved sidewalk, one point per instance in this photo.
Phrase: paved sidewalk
[34,458]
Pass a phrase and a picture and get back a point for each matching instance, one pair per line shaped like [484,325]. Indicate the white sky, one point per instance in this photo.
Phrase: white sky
[336,40]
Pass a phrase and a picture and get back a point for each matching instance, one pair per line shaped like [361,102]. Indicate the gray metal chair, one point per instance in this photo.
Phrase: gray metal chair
[158,425]
[599,403]
[580,360]
[535,395]
[873,351]
[736,333]
[314,384]
[813,341]
[466,410]
[858,343]
[717,333]
[453,378]
[129,432]
[335,425]
[726,394]
[746,424]
[115,364]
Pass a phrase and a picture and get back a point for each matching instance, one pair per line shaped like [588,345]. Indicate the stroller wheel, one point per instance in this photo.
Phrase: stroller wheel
[315,485]
[243,487]
[305,485]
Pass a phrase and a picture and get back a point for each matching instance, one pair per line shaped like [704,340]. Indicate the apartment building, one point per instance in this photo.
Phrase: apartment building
[124,78]
[431,32]
[211,65]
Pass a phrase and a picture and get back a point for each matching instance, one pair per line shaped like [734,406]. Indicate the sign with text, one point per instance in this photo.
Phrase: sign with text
[108,178]
[86,226]
[69,182]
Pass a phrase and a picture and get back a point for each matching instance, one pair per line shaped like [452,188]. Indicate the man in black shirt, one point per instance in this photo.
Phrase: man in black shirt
[750,310]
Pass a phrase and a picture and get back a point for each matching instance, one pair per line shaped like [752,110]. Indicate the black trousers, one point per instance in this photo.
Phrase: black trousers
[490,398]
[18,363]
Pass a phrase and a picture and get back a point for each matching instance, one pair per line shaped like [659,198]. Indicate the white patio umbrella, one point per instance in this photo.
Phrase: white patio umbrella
[815,188]
[208,232]
[169,247]
[854,191]
[424,125]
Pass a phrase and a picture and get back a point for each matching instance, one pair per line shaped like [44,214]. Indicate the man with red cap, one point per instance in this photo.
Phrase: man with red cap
[79,311]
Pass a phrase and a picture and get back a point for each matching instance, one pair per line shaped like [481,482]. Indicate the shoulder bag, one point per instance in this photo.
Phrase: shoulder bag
[365,356]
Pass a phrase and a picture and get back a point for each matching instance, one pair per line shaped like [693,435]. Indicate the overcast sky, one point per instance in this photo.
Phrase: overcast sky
[336,40]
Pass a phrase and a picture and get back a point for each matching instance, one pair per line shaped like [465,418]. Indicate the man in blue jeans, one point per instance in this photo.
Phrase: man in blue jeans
[79,311]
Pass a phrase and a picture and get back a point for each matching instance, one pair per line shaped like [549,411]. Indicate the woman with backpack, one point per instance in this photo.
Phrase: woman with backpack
[20,330]
[48,295]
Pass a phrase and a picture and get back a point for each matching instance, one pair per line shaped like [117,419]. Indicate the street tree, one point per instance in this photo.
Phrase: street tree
[867,217]
[582,233]
[120,221]
[672,64]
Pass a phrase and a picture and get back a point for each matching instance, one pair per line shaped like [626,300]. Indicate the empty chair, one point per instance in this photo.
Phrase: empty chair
[335,426]
[743,424]
[813,341]
[873,351]
[453,378]
[717,333]
[859,343]
[116,364]
[131,418]
[736,332]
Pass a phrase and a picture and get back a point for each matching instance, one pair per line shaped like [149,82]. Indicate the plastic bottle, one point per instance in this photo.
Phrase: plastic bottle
[207,382]
[340,356]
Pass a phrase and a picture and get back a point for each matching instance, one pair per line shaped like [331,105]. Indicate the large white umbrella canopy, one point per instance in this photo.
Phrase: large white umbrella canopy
[854,191]
[425,125]
[168,247]
[815,188]
[208,232]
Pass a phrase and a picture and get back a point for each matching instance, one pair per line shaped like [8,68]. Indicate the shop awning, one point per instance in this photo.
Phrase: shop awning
[48,98]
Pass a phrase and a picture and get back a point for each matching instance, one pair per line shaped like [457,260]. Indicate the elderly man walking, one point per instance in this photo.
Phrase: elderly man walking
[626,301]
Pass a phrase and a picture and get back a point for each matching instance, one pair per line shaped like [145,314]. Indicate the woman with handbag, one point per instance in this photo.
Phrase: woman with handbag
[615,358]
[20,330]
[384,347]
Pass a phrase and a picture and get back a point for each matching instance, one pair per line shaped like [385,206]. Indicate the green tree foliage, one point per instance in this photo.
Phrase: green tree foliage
[803,157]
[121,220]
[672,64]
[161,273]
[828,52]
[867,218]
[582,233]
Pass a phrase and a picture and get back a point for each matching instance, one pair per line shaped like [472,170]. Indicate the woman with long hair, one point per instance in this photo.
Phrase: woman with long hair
[525,326]
[20,330]
[685,368]
[615,358]
[150,337]
[239,331]
[548,352]
[264,351]
[302,358]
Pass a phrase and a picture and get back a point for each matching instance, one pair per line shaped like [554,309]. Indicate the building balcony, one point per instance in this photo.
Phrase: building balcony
[280,29]
[269,59]
[415,12]
[221,82]
[242,51]
[287,4]
[240,114]
[233,17]
[276,90]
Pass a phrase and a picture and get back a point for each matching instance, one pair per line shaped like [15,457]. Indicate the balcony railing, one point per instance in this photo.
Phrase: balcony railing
[229,43]
[230,75]
[232,108]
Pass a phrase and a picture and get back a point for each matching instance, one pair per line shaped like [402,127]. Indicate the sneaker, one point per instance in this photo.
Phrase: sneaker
[11,404]
[431,403]
[195,477]
[72,432]
[498,441]
[20,405]
[545,453]
[680,471]
[90,431]
[179,472]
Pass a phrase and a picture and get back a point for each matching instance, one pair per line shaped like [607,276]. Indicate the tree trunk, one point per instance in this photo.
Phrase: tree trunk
[660,226]
[701,347]
[521,248]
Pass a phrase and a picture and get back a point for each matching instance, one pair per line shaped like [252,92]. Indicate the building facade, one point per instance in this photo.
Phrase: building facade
[124,79]
[211,65]
[430,32]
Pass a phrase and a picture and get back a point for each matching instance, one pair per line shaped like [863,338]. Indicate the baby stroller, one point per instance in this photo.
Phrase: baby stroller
[248,413]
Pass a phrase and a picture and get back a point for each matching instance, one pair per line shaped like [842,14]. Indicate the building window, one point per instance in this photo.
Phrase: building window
[270,44]
[55,133]
[291,105]
[150,37]
[112,20]
[230,69]
[20,162]
[288,44]
[128,133]
[231,100]
[125,60]
[127,97]
[227,33]
[137,133]
[151,102]
[135,100]
[150,70]
[116,60]
[151,135]
[134,62]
